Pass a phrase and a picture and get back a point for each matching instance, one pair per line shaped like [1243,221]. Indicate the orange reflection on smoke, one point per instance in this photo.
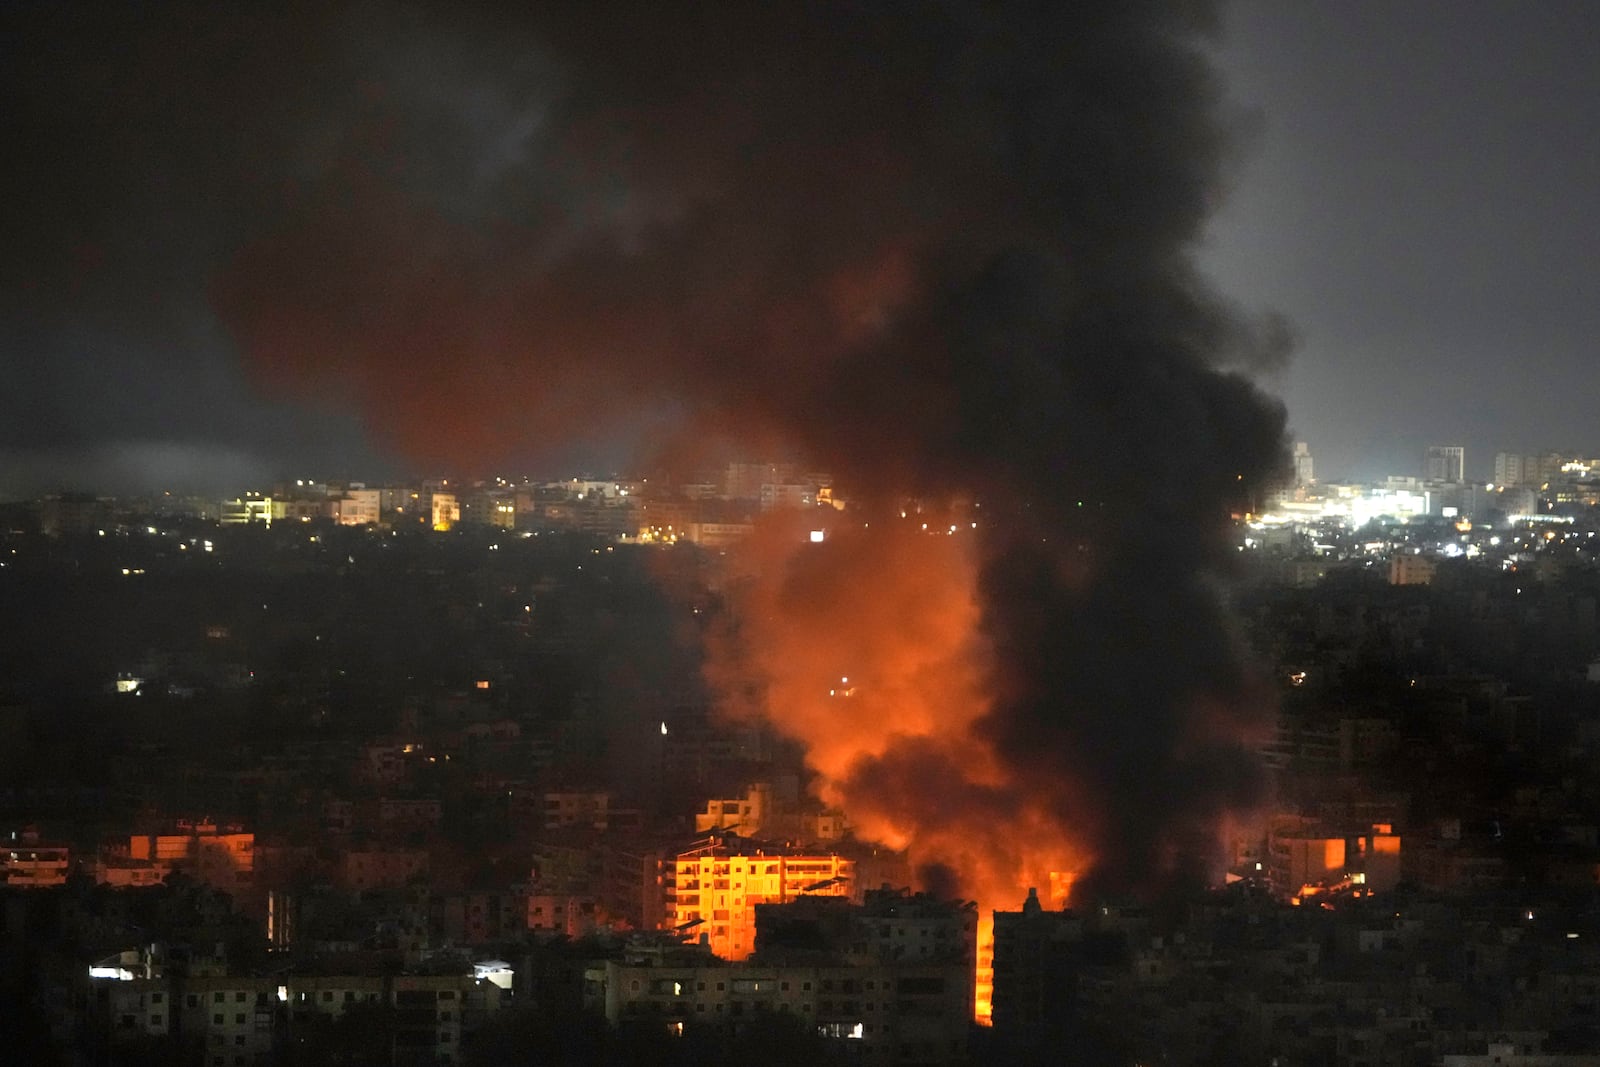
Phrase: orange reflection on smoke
[890,609]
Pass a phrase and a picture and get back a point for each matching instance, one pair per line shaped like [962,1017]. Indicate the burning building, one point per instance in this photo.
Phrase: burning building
[718,886]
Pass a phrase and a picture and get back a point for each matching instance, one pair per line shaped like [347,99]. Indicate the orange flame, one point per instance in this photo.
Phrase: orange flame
[868,648]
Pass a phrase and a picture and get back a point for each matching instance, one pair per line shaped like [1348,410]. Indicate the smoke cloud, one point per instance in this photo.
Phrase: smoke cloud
[943,251]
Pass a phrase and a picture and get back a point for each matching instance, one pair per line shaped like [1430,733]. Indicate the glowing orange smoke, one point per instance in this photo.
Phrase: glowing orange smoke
[857,642]
[868,648]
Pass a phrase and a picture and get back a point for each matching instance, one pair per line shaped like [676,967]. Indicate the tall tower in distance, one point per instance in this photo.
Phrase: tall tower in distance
[1303,475]
[1444,463]
[1508,469]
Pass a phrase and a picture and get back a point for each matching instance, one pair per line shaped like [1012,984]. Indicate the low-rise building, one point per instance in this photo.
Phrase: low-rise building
[374,867]
[220,857]
[27,863]
[891,978]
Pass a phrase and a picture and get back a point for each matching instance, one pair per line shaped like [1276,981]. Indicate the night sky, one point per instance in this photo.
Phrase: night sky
[1421,196]
[1414,185]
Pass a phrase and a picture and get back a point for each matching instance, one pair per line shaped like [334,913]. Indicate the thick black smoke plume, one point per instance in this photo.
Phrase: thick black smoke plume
[940,249]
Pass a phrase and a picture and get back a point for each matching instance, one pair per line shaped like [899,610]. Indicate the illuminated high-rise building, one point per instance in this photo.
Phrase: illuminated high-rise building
[1303,471]
[1508,469]
[1534,469]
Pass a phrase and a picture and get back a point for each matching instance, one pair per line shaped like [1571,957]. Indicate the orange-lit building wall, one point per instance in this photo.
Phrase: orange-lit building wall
[1299,854]
[221,860]
[722,891]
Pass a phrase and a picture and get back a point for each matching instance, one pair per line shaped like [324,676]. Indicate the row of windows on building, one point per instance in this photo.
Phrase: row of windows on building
[826,1007]
[677,987]
[241,996]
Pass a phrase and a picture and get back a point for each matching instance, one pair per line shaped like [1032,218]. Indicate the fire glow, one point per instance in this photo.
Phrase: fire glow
[898,742]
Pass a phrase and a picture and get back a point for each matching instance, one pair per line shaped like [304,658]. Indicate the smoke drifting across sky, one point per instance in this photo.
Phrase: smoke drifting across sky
[939,249]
